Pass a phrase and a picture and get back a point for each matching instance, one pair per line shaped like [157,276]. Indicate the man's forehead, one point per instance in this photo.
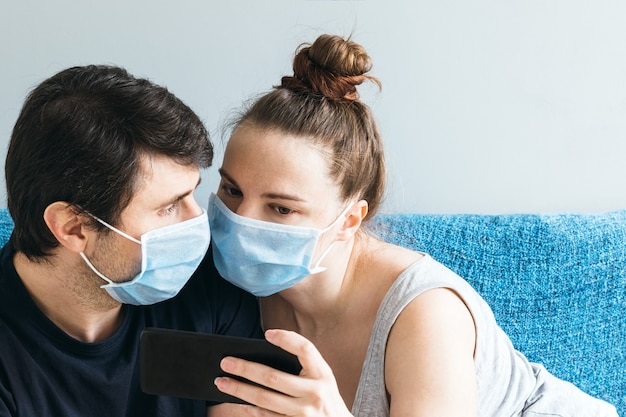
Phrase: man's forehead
[162,179]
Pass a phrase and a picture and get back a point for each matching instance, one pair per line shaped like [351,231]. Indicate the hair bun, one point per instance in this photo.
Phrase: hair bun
[331,66]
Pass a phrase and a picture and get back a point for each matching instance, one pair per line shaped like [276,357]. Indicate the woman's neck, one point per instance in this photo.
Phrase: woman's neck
[321,301]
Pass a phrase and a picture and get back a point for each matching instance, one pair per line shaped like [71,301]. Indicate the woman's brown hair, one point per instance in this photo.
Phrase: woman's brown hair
[320,103]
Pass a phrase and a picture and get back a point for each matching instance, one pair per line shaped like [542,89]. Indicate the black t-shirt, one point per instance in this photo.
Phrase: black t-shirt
[44,372]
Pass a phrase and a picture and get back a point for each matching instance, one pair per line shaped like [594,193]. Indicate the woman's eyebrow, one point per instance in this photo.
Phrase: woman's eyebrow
[228,178]
[281,196]
[284,197]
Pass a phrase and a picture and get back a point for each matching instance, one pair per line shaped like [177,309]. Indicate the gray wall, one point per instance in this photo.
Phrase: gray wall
[487,106]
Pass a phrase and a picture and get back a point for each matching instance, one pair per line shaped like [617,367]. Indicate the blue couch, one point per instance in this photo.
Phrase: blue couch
[556,283]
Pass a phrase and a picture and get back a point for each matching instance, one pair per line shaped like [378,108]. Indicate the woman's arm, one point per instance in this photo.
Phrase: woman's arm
[429,360]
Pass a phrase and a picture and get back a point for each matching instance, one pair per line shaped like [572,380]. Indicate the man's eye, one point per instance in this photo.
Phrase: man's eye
[170,209]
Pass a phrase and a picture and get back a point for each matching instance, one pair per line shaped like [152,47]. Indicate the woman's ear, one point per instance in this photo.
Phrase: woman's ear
[354,219]
[66,225]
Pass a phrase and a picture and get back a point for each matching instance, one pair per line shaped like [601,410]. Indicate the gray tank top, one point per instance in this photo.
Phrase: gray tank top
[508,384]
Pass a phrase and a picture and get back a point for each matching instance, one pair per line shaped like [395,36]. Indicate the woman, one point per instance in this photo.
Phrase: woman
[399,333]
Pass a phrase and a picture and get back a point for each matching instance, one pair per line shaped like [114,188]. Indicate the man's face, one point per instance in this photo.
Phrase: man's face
[164,196]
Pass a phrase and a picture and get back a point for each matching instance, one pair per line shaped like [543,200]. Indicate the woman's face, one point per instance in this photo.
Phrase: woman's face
[271,176]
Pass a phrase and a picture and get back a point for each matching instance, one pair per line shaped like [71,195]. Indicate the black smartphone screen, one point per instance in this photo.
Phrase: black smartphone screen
[184,364]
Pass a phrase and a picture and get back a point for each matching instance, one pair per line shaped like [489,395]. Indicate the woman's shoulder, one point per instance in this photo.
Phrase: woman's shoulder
[402,276]
[394,264]
[416,280]
[387,257]
[422,321]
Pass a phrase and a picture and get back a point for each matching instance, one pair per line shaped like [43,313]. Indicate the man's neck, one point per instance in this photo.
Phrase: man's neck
[72,300]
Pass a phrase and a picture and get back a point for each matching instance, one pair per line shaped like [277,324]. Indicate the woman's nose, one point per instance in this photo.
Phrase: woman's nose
[248,210]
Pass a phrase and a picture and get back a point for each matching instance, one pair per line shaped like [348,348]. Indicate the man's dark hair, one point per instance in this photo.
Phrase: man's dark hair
[80,138]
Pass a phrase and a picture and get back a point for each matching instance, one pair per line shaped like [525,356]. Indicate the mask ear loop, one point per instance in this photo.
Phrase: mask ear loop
[317,267]
[93,268]
[115,229]
[118,231]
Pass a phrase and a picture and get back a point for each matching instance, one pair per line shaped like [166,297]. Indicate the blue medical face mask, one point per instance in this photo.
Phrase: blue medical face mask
[262,257]
[169,256]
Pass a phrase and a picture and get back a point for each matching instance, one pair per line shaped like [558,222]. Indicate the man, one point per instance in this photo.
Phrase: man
[100,175]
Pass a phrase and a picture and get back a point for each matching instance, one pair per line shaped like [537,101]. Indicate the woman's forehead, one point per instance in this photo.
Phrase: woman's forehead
[275,159]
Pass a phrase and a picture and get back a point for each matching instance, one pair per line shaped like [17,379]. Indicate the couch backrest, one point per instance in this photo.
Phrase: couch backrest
[6,226]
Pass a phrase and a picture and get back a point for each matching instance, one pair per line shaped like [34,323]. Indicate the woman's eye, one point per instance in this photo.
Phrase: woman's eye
[232,191]
[283,210]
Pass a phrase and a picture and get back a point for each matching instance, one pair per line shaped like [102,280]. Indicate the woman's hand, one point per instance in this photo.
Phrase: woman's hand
[312,393]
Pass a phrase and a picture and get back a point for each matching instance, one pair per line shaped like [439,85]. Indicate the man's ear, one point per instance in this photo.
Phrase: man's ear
[66,225]
[353,221]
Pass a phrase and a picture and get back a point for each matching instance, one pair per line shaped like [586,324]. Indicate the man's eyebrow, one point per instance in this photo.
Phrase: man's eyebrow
[179,197]
[277,196]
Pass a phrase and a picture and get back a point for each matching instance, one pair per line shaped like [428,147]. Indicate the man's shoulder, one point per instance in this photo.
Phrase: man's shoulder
[7,273]
[6,257]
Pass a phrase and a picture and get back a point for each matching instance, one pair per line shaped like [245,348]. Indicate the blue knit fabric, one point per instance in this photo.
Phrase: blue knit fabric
[556,284]
[6,226]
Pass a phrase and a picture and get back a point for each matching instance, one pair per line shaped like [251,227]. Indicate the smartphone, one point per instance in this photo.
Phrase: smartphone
[184,364]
